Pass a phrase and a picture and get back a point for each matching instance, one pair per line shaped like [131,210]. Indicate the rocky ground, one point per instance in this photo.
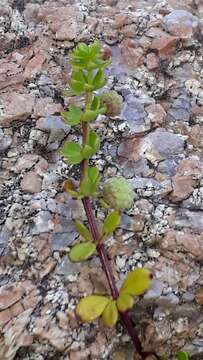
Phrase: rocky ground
[156,143]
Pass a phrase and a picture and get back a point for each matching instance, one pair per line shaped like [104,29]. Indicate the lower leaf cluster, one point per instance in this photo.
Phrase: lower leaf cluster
[93,306]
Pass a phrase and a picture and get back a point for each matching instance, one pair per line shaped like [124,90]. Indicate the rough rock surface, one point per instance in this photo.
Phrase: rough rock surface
[156,143]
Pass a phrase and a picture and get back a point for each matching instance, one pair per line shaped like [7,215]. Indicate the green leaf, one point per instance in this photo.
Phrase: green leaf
[72,152]
[86,187]
[91,307]
[137,282]
[110,314]
[82,252]
[89,115]
[124,302]
[182,355]
[93,145]
[99,79]
[111,223]
[94,49]
[77,87]
[73,116]
[87,152]
[96,103]
[93,174]
[78,76]
[94,140]
[77,82]
[89,184]
[82,49]
[83,230]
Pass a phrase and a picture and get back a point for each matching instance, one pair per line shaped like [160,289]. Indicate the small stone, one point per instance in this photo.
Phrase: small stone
[196,136]
[165,45]
[63,21]
[47,267]
[120,20]
[43,223]
[152,61]
[161,144]
[185,241]
[182,188]
[193,86]
[168,301]
[31,182]
[132,54]
[66,268]
[16,336]
[181,23]
[188,296]
[10,294]
[16,107]
[34,66]
[45,107]
[110,36]
[155,290]
[199,296]
[134,114]
[53,123]
[38,137]
[168,167]
[25,162]
[58,338]
[60,242]
[5,141]
[156,114]
[189,219]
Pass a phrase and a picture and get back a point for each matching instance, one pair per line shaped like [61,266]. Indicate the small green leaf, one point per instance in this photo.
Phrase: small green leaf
[83,50]
[91,307]
[137,282]
[77,82]
[93,174]
[96,103]
[182,355]
[77,87]
[78,76]
[73,116]
[94,140]
[90,182]
[88,152]
[110,314]
[124,302]
[86,187]
[95,48]
[89,115]
[99,79]
[83,230]
[111,223]
[82,252]
[72,152]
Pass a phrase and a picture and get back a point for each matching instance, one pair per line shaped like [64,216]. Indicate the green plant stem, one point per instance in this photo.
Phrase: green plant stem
[125,319]
[85,135]
[84,164]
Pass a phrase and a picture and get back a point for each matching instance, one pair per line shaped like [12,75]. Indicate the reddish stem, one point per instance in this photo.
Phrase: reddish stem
[127,323]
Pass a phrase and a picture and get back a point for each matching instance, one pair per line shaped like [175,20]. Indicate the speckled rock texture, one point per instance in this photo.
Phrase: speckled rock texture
[156,143]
